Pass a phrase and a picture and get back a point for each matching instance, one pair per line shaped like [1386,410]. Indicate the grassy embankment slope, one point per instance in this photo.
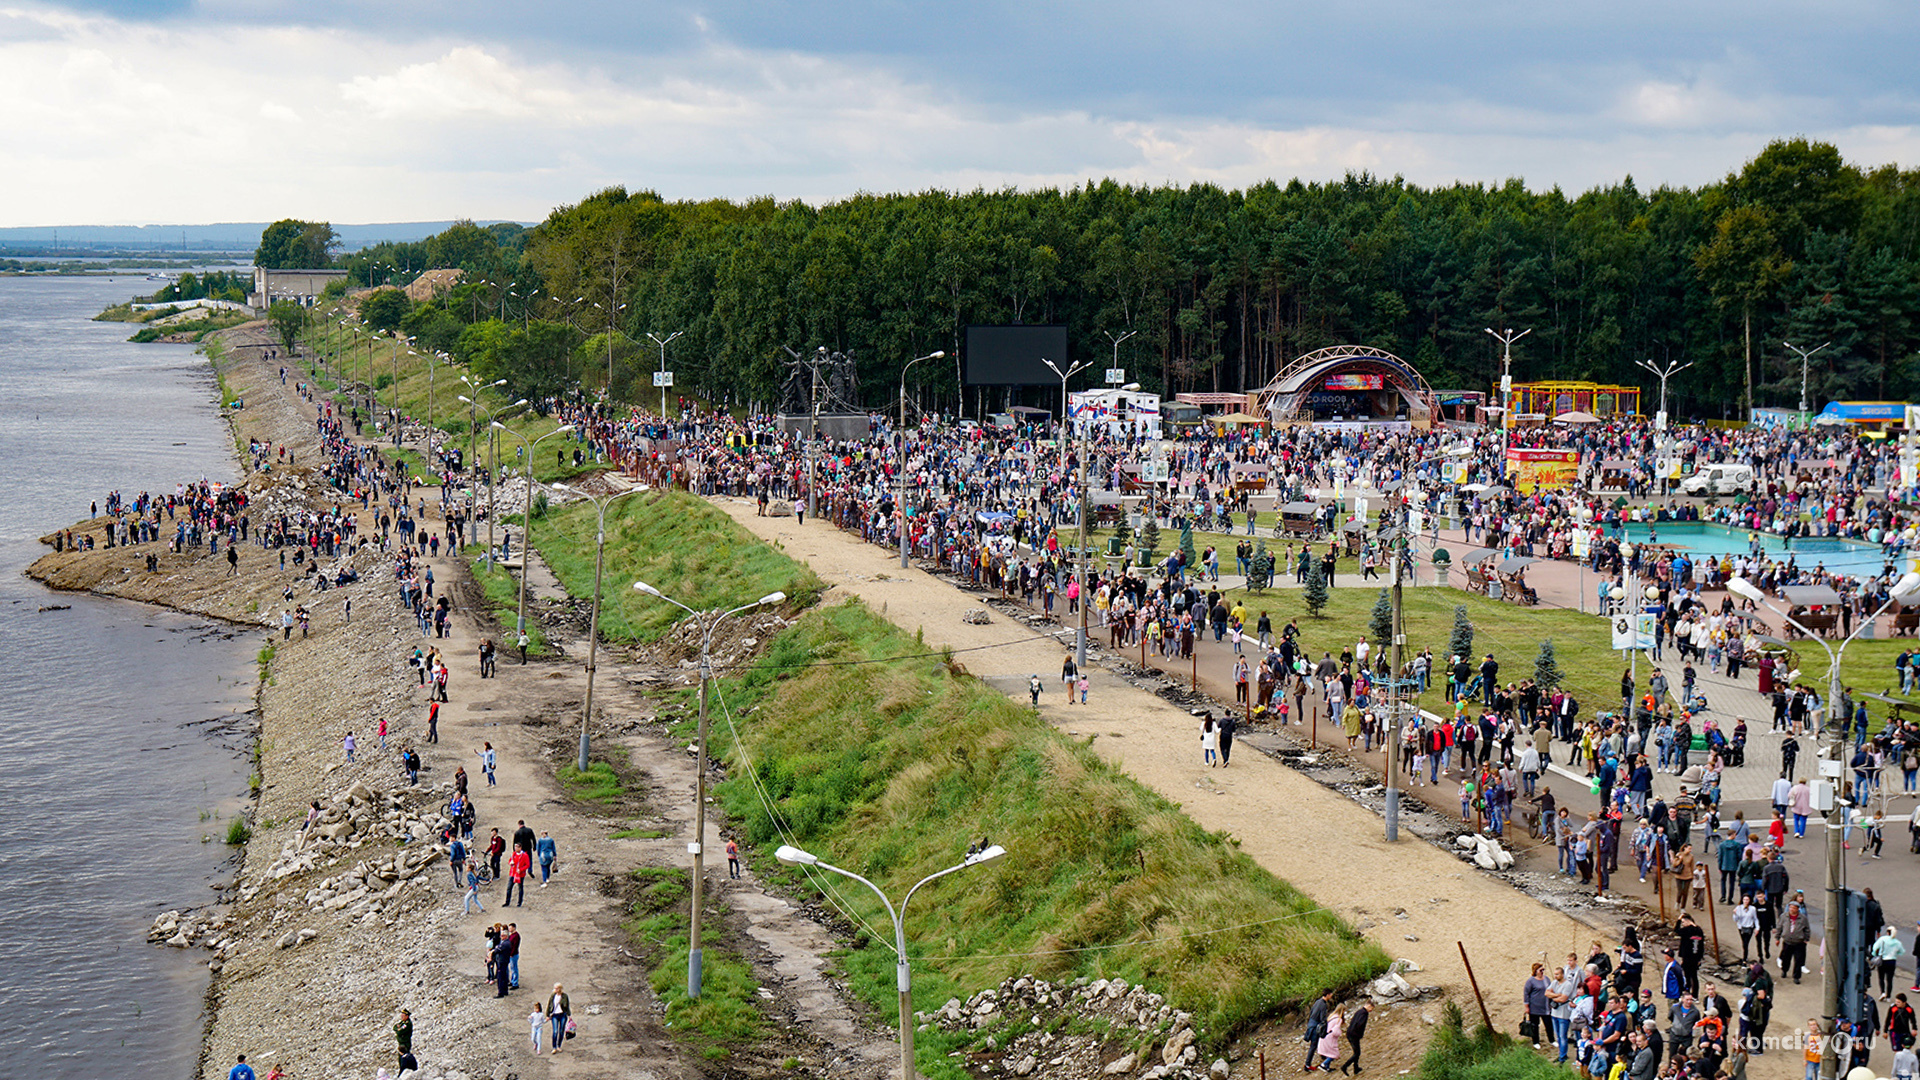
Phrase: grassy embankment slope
[884,759]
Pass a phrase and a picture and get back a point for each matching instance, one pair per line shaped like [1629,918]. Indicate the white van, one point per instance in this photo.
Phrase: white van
[1719,480]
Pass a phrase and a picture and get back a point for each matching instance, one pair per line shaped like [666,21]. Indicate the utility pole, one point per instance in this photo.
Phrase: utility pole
[1660,421]
[1397,549]
[1805,354]
[1506,338]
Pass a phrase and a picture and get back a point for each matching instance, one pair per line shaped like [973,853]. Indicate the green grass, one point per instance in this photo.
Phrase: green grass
[676,542]
[891,769]
[1455,1054]
[599,784]
[637,833]
[502,591]
[727,1013]
[265,659]
[237,832]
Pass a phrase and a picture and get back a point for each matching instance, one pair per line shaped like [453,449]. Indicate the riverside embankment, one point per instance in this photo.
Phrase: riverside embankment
[321,939]
[323,936]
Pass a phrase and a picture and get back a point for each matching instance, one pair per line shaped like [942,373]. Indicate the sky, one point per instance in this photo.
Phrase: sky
[195,111]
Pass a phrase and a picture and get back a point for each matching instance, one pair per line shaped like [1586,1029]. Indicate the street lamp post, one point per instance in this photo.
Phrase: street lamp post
[526,520]
[1805,355]
[663,343]
[903,450]
[697,848]
[1506,338]
[1066,417]
[903,972]
[593,621]
[1673,368]
[473,406]
[1903,591]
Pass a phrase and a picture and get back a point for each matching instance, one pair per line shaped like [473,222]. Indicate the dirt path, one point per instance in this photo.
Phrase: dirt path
[1414,899]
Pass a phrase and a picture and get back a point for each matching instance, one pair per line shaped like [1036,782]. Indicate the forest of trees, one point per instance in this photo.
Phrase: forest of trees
[1223,287]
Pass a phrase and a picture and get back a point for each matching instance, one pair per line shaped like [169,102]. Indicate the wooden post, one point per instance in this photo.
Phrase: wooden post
[1263,1063]
[1660,887]
[1475,983]
[1196,662]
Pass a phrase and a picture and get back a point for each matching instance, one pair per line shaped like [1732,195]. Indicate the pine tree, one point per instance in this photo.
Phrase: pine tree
[1150,534]
[1316,590]
[1186,542]
[1382,622]
[1462,643]
[1546,673]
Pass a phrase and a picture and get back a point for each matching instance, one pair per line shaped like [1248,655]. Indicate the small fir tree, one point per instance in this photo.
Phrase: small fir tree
[1186,542]
[1546,672]
[1382,622]
[1462,643]
[1316,590]
[1150,534]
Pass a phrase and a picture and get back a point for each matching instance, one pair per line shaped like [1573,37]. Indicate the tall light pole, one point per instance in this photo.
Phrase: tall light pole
[1660,422]
[903,450]
[1805,355]
[1831,753]
[663,343]
[526,519]
[593,621]
[613,322]
[1397,548]
[697,847]
[1506,338]
[903,973]
[1066,419]
[472,407]
[1116,349]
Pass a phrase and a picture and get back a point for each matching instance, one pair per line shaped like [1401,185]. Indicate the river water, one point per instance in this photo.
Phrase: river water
[119,724]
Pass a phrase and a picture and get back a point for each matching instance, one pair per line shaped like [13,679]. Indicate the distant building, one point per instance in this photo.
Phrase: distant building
[300,286]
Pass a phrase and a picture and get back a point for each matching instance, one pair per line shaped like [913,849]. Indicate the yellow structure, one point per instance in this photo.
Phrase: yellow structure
[1551,399]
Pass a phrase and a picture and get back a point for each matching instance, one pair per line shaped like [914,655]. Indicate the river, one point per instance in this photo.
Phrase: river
[122,727]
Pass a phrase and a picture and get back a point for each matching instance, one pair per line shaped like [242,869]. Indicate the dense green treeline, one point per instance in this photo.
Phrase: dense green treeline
[1224,287]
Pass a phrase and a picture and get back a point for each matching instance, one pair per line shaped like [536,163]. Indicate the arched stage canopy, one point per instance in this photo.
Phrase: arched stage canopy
[1348,382]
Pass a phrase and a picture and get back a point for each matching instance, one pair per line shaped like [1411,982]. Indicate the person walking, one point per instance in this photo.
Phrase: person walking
[403,1033]
[517,868]
[433,721]
[471,903]
[1887,951]
[537,1025]
[544,850]
[1329,1048]
[1316,1027]
[733,858]
[1794,932]
[349,744]
[241,1070]
[488,760]
[1356,1031]
[559,1013]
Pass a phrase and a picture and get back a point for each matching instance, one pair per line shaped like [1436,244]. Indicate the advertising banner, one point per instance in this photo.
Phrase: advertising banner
[1354,382]
[1532,470]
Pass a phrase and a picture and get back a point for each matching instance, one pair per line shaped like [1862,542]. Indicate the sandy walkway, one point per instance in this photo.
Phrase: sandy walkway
[1315,838]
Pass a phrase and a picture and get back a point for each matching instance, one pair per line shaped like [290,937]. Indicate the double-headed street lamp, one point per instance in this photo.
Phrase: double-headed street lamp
[593,621]
[1661,422]
[903,973]
[492,464]
[1903,591]
[696,847]
[663,342]
[526,520]
[1506,338]
[903,450]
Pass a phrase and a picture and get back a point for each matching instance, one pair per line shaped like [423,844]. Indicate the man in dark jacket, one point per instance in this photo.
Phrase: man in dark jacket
[1356,1030]
[1317,1026]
